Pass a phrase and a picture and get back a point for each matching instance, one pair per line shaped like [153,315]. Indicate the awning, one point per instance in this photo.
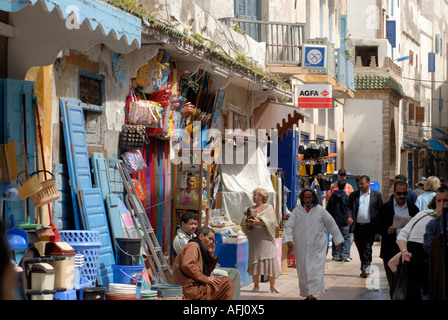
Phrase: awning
[274,115]
[436,145]
[97,13]
[42,28]
[409,145]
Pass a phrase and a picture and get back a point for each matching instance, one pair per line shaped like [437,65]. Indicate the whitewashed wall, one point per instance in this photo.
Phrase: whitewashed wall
[363,138]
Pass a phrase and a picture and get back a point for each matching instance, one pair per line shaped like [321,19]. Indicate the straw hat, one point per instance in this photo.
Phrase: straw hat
[421,182]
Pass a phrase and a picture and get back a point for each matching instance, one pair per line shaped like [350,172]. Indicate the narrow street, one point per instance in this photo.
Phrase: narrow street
[342,282]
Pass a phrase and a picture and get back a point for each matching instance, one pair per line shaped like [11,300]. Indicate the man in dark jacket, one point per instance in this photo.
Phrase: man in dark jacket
[387,224]
[336,207]
[411,196]
[361,211]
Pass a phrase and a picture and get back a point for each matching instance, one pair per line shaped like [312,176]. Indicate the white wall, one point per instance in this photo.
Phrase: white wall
[363,21]
[363,138]
[66,86]
[201,16]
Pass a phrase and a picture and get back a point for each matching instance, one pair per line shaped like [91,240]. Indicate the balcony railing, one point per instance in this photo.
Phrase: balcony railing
[345,70]
[283,40]
[284,46]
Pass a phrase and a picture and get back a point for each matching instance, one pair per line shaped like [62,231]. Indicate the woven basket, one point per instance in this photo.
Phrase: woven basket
[29,187]
[48,193]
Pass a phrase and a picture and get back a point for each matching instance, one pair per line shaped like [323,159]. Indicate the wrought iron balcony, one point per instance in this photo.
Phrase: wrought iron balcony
[283,40]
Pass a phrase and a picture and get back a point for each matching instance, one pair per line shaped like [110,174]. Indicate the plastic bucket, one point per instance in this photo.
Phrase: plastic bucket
[65,269]
[127,274]
[168,291]
[42,278]
[128,251]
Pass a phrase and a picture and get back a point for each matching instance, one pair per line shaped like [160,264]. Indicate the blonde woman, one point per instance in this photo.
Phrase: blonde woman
[431,185]
[262,252]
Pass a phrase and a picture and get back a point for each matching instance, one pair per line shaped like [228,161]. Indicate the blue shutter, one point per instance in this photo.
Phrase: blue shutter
[437,43]
[431,62]
[343,33]
[249,10]
[94,211]
[113,215]
[391,32]
[101,173]
[72,112]
[76,151]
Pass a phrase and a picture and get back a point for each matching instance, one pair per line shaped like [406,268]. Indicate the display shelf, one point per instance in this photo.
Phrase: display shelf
[191,189]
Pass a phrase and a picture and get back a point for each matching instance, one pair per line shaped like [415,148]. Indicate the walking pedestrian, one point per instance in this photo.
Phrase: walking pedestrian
[392,216]
[342,176]
[419,186]
[336,207]
[431,185]
[305,232]
[362,209]
[410,196]
[433,245]
[410,243]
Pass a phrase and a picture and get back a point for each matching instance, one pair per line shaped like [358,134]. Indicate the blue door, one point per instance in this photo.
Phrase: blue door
[76,150]
[249,10]
[288,148]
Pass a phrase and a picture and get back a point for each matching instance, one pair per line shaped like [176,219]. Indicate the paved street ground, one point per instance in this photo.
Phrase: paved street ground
[342,282]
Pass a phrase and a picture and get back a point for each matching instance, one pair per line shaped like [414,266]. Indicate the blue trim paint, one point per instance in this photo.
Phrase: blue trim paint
[97,13]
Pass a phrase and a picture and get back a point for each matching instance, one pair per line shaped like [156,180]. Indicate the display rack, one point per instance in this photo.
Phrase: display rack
[196,198]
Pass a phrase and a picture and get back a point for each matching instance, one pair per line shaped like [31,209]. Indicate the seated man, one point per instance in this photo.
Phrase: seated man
[193,266]
[186,232]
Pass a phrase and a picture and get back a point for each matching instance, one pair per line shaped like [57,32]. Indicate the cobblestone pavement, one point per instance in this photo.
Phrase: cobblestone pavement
[342,282]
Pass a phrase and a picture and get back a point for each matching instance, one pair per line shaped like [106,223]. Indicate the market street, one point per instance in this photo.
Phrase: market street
[342,282]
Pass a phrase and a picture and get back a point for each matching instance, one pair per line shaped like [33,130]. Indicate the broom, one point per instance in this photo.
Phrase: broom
[53,232]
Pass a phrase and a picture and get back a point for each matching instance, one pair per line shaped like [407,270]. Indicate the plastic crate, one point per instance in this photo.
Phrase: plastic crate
[65,295]
[87,243]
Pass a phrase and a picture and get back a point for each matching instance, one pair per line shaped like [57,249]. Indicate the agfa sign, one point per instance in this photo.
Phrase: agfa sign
[314,96]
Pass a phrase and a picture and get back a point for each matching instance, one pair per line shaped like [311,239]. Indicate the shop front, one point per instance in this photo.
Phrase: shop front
[88,91]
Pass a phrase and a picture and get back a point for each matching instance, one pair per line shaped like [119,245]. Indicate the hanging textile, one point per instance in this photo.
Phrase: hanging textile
[154,182]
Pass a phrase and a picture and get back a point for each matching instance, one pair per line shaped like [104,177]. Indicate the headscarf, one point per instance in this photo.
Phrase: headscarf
[315,201]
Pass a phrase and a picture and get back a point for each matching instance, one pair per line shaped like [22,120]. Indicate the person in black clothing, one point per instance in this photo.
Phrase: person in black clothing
[433,246]
[411,195]
[384,225]
[361,210]
[336,207]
